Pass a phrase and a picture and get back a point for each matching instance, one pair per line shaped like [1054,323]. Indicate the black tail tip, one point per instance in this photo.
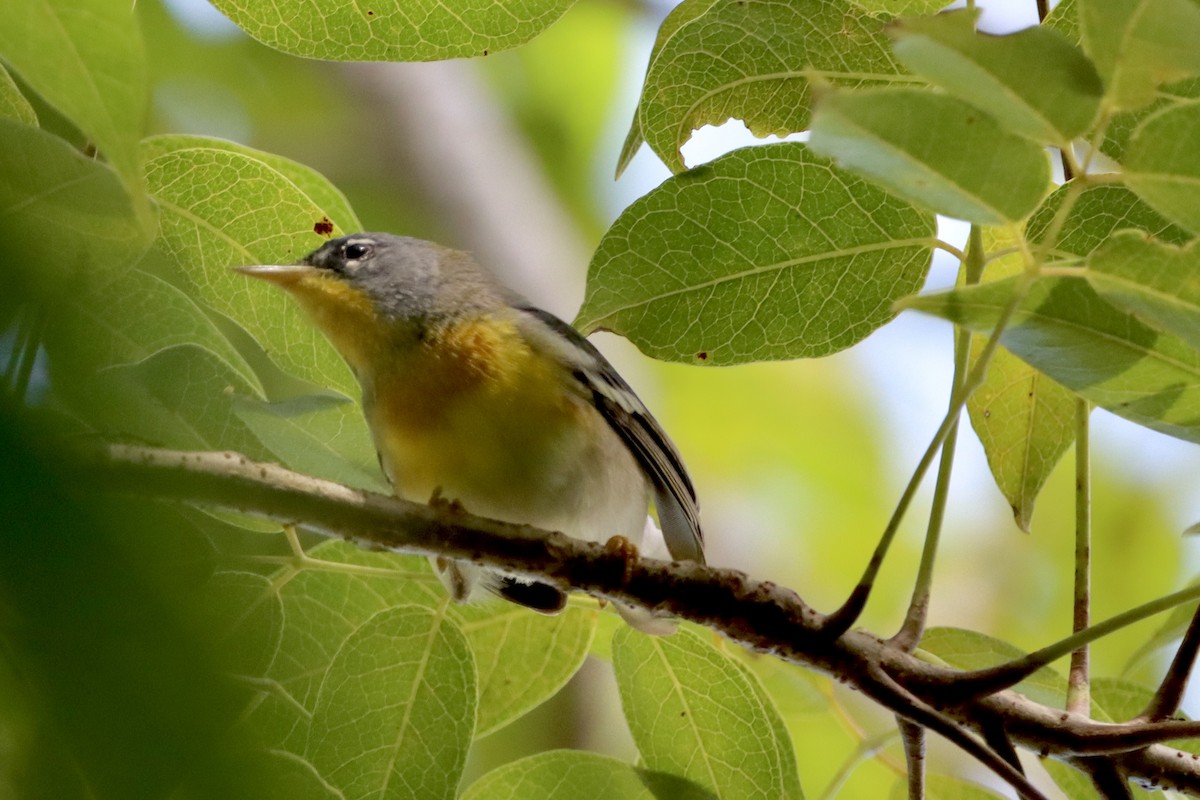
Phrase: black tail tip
[541,597]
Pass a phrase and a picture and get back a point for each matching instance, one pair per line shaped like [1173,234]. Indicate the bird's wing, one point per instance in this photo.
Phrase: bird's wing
[674,496]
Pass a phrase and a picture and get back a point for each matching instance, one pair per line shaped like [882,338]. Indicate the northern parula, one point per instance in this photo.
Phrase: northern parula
[469,390]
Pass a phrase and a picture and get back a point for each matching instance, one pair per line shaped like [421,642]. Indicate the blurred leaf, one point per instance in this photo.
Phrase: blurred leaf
[1139,44]
[1163,162]
[968,650]
[1024,420]
[566,114]
[286,776]
[85,58]
[1119,700]
[395,711]
[522,658]
[12,103]
[576,775]
[1073,783]
[393,30]
[765,253]
[181,396]
[130,317]
[312,435]
[933,150]
[769,52]
[1034,82]
[1159,284]
[222,207]
[697,713]
[944,787]
[1066,330]
[127,698]
[50,192]
[1172,628]
[246,611]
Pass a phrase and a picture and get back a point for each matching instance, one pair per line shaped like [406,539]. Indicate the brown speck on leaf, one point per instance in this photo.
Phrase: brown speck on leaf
[485,52]
[370,13]
[323,227]
[702,355]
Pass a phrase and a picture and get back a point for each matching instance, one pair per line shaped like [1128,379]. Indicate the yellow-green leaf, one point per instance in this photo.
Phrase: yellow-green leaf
[768,54]
[765,253]
[697,713]
[934,150]
[1035,82]
[393,30]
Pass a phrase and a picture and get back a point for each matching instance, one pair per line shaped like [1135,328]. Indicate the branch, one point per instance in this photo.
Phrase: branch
[758,614]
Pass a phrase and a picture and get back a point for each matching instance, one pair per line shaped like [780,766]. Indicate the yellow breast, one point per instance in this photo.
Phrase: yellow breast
[474,411]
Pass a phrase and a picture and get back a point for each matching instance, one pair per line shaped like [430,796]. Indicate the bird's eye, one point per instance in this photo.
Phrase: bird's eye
[356,251]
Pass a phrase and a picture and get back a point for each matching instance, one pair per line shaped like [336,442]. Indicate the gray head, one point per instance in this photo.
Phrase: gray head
[409,278]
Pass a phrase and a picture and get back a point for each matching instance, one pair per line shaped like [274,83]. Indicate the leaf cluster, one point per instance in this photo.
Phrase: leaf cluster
[355,675]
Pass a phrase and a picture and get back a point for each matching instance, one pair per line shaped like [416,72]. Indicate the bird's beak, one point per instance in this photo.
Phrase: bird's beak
[284,275]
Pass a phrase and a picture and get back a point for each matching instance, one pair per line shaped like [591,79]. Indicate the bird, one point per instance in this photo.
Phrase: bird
[475,395]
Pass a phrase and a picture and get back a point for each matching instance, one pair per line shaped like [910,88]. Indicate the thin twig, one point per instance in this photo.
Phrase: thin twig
[1079,696]
[910,633]
[913,736]
[1166,700]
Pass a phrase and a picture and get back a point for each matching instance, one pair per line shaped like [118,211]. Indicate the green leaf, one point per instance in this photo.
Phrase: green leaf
[1024,420]
[1066,330]
[576,775]
[1035,82]
[902,8]
[968,650]
[522,658]
[697,713]
[12,103]
[394,30]
[769,52]
[1157,283]
[396,708]
[279,775]
[1064,18]
[933,150]
[1123,125]
[223,206]
[85,58]
[311,183]
[765,253]
[243,607]
[50,192]
[1139,44]
[1098,212]
[1163,163]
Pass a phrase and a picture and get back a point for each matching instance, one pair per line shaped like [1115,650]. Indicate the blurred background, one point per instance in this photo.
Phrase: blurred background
[798,465]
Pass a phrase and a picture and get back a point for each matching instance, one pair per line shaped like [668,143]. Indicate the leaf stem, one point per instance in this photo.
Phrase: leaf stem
[840,621]
[918,608]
